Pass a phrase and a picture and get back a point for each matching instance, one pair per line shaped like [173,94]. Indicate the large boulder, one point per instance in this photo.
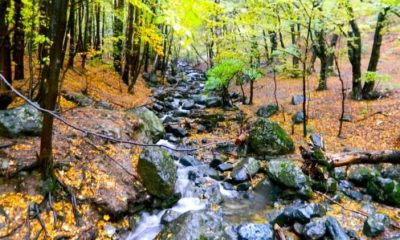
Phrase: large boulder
[385,190]
[268,138]
[152,125]
[80,99]
[158,172]
[360,175]
[23,120]
[287,174]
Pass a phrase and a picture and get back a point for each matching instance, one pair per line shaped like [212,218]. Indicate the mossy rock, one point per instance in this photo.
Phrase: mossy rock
[152,125]
[384,190]
[158,172]
[268,138]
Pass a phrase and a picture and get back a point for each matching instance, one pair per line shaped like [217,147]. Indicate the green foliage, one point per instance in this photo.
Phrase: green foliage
[375,77]
[221,74]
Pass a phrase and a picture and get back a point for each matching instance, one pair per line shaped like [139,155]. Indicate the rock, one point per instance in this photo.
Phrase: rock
[23,120]
[188,160]
[286,173]
[385,190]
[213,101]
[392,172]
[268,138]
[375,224]
[267,111]
[176,130]
[314,230]
[335,230]
[158,172]
[253,231]
[151,123]
[268,190]
[169,216]
[360,175]
[298,99]
[194,225]
[301,212]
[188,104]
[317,141]
[80,99]
[347,118]
[339,174]
[245,169]
[213,194]
[244,186]
[226,147]
[227,186]
[298,118]
[225,167]
[104,105]
[182,113]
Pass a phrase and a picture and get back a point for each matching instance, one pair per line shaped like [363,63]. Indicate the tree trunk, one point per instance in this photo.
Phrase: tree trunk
[5,56]
[331,54]
[376,48]
[354,52]
[136,63]
[97,39]
[18,41]
[128,45]
[117,33]
[251,92]
[58,18]
[71,26]
[295,60]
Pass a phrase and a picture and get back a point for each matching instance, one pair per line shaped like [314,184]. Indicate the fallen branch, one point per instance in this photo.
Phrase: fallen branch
[373,157]
[279,232]
[371,115]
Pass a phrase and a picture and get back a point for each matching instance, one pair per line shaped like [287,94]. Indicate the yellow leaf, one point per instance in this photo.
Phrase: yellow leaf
[106,217]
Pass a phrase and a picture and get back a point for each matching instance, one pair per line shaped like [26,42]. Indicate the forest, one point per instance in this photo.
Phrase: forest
[200,119]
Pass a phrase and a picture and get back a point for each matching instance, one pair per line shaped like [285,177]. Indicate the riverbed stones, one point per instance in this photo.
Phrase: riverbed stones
[314,230]
[385,190]
[375,224]
[268,138]
[245,169]
[335,230]
[158,172]
[253,231]
[286,173]
[21,121]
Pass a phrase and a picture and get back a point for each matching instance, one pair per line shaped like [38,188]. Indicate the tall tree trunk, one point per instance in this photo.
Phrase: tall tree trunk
[136,63]
[117,32]
[376,49]
[71,26]
[5,55]
[274,41]
[331,53]
[321,52]
[18,41]
[295,60]
[58,19]
[354,52]
[128,45]
[97,39]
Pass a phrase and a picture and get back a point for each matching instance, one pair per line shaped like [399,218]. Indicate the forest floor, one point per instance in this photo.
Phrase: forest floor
[375,126]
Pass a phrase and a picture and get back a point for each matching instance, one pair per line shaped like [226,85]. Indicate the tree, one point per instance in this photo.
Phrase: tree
[5,55]
[18,41]
[117,34]
[57,26]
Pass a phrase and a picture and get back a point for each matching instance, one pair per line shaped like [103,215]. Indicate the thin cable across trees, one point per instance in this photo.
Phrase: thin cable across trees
[88,132]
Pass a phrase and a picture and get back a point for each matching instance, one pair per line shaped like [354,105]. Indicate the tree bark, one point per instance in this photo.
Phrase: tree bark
[18,42]
[128,45]
[97,44]
[376,48]
[372,157]
[5,55]
[58,19]
[354,52]
[71,26]
[117,33]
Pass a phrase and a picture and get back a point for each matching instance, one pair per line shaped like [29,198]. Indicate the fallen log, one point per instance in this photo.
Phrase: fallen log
[368,157]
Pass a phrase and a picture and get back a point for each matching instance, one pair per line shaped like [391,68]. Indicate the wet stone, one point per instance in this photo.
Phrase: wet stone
[252,231]
[225,167]
[375,224]
[314,230]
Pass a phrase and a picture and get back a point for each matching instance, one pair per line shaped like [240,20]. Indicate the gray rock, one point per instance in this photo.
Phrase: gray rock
[347,118]
[188,104]
[375,224]
[151,123]
[176,130]
[301,212]
[268,138]
[314,230]
[188,160]
[360,175]
[80,99]
[286,173]
[298,117]
[334,229]
[267,111]
[23,120]
[252,231]
[158,172]
[392,172]
[298,99]
[317,141]
[225,167]
[245,169]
